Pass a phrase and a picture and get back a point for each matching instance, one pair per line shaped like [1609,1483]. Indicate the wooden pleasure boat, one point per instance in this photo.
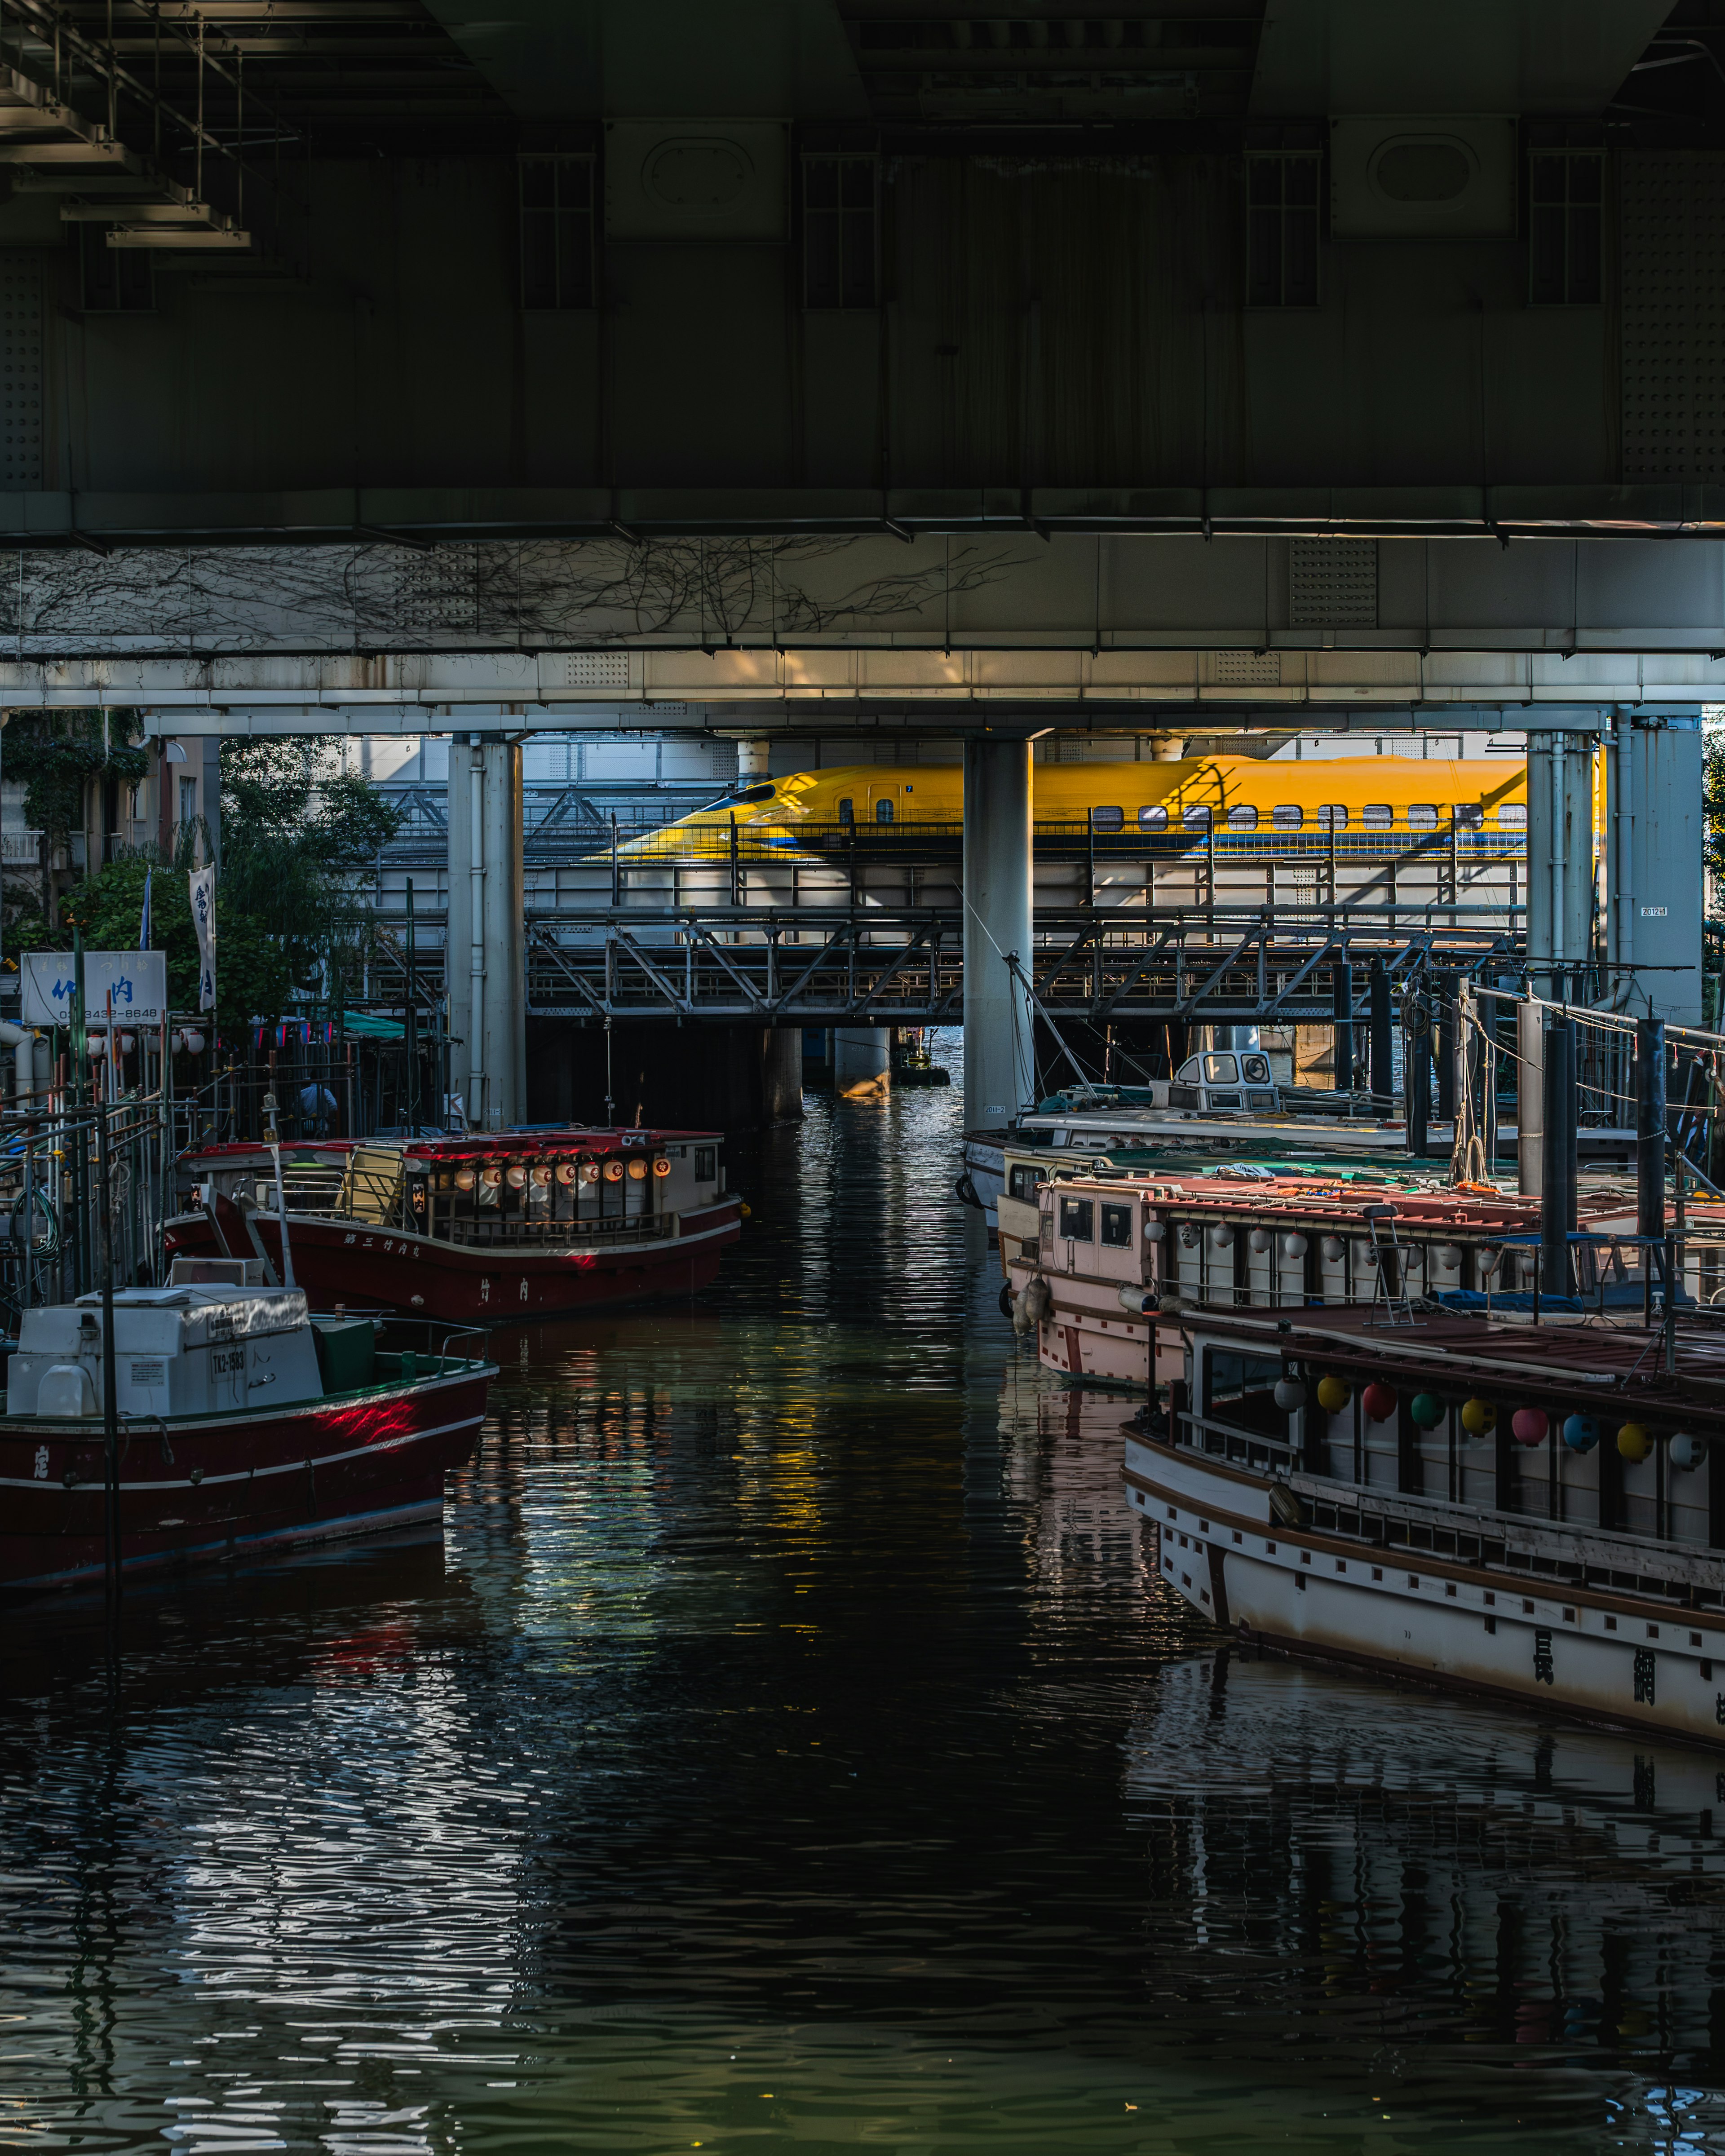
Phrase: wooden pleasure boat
[489,1228]
[244,1423]
[1531,1511]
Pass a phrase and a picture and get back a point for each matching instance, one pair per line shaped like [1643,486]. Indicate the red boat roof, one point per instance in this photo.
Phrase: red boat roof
[567,1138]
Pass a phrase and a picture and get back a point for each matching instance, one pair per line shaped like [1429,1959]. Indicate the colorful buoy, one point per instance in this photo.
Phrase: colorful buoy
[1478,1416]
[1333,1395]
[1581,1433]
[1633,1442]
[1379,1402]
[1529,1425]
[1427,1411]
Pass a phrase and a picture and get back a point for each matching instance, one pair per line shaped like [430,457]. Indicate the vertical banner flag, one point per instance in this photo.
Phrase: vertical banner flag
[144,920]
[204,913]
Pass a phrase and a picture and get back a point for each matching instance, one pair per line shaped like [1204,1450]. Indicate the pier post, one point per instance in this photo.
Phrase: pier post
[1557,1201]
[485,950]
[1380,1037]
[998,1067]
[1342,1004]
[1530,1098]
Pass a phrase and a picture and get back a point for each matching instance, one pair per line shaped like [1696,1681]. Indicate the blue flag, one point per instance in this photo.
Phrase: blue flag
[144,924]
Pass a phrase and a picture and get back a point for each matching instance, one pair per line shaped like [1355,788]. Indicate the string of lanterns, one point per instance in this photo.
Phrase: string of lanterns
[1528,1426]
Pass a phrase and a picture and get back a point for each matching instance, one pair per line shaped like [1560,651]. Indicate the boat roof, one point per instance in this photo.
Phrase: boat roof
[1341,1198]
[1582,1360]
[522,1144]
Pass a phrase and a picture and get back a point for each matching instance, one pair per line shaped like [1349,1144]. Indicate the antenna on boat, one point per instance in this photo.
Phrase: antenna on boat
[272,1138]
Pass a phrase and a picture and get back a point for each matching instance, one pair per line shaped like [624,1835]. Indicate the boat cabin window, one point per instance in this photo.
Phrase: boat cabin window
[1154,818]
[1220,1071]
[1422,816]
[1077,1215]
[1333,817]
[1117,1227]
[1287,816]
[1107,818]
[1242,818]
[1255,1069]
[706,1163]
[1196,819]
[847,809]
[1378,816]
[1024,1183]
[1241,1389]
[883,812]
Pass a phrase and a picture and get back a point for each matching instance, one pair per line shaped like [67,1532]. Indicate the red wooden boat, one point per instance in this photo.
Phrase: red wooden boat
[245,1425]
[484,1229]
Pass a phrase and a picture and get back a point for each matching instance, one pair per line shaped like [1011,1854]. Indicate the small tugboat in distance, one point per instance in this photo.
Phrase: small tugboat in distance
[244,1425]
[487,1228]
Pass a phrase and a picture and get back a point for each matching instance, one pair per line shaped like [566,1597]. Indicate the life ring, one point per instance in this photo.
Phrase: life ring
[1006,1298]
[967,1191]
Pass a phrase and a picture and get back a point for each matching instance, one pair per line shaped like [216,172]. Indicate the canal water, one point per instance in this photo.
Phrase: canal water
[788,1745]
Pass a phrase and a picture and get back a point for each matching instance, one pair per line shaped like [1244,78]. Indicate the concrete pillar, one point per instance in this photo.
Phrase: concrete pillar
[999,1073]
[486,957]
[1560,861]
[862,1060]
[1653,876]
[752,759]
[1530,1099]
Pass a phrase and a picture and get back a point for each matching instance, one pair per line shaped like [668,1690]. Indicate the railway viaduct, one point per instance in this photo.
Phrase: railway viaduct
[982,367]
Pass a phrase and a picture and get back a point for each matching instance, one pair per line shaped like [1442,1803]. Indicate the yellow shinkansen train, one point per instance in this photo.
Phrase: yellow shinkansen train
[1197,799]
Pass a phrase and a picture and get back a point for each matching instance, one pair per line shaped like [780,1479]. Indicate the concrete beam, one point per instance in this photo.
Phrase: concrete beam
[486,936]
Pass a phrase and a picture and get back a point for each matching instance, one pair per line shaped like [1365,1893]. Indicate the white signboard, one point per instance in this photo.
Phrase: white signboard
[137,980]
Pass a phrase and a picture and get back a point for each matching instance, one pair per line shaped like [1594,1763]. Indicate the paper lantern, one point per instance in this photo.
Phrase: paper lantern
[517,1178]
[1155,1230]
[1293,1246]
[1221,1236]
[1290,1395]
[1333,1249]
[637,1169]
[1427,1411]
[1528,1426]
[1489,1259]
[1477,1417]
[1189,1236]
[1333,1395]
[1449,1254]
[1379,1402]
[1688,1451]
[1633,1442]
[1260,1240]
[1581,1433]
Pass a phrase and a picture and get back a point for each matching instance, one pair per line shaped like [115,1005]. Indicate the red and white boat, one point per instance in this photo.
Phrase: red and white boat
[486,1228]
[245,1425]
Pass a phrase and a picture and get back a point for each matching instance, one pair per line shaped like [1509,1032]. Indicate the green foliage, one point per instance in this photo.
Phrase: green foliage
[294,827]
[1713,796]
[56,753]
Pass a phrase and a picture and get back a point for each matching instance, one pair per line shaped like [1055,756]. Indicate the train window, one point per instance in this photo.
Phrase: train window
[1378,816]
[1107,819]
[1469,816]
[883,812]
[1287,816]
[1512,816]
[1333,817]
[1117,1227]
[847,810]
[1077,1215]
[1422,816]
[1240,817]
[751,794]
[1152,818]
[1196,819]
